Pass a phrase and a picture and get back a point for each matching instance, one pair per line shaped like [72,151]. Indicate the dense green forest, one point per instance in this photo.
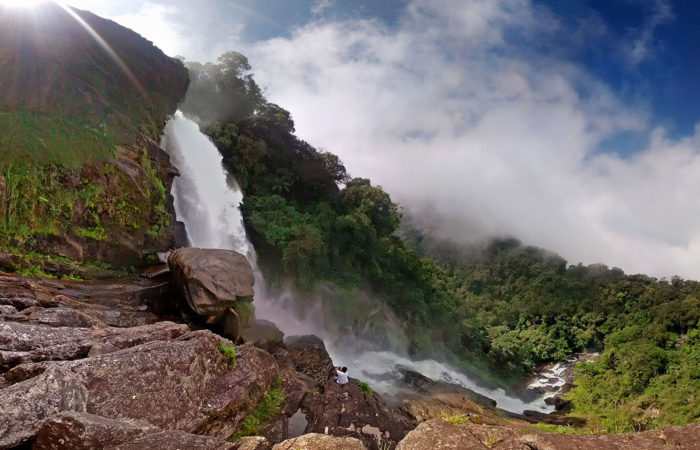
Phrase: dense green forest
[502,308]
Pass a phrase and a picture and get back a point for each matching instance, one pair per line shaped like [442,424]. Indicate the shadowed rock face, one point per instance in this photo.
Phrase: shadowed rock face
[310,357]
[212,280]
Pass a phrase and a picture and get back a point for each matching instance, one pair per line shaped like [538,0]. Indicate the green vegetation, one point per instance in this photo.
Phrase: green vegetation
[52,139]
[42,201]
[245,311]
[364,387]
[229,352]
[454,419]
[500,310]
[564,429]
[267,409]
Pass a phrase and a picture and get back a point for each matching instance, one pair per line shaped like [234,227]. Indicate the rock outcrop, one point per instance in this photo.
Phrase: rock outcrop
[154,385]
[315,441]
[83,431]
[310,358]
[341,410]
[440,434]
[211,280]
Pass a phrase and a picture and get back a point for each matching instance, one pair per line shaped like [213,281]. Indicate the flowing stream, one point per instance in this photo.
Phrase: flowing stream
[207,200]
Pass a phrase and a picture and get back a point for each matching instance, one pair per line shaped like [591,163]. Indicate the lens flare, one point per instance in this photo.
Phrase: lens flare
[21,3]
[36,7]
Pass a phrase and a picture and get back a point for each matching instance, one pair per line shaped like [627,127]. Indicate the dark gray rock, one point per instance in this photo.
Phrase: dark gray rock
[310,357]
[263,334]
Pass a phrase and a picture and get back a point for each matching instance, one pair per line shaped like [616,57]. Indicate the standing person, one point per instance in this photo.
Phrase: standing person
[341,375]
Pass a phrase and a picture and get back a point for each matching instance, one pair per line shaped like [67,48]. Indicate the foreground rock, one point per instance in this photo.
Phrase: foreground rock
[185,384]
[78,431]
[25,405]
[440,434]
[315,441]
[20,343]
[211,281]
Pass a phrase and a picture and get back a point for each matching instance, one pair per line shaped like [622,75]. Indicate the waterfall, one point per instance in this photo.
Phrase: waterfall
[207,200]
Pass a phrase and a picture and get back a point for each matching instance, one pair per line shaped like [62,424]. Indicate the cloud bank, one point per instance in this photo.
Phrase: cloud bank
[462,107]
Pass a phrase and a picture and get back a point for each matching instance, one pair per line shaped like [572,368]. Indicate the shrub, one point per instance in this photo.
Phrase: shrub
[229,352]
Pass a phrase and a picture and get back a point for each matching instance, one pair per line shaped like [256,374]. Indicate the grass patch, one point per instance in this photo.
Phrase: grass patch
[34,271]
[52,139]
[364,387]
[266,410]
[565,429]
[454,419]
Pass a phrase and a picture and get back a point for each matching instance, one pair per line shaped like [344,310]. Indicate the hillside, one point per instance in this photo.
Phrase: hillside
[83,101]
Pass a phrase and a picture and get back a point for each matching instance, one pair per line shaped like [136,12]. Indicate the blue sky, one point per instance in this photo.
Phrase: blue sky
[568,124]
[664,72]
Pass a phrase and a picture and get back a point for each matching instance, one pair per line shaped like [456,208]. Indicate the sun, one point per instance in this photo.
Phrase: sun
[22,3]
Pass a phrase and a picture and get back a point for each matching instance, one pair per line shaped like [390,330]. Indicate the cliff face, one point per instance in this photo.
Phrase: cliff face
[82,100]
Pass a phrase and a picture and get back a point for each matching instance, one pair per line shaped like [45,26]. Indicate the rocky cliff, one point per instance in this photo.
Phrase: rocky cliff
[83,101]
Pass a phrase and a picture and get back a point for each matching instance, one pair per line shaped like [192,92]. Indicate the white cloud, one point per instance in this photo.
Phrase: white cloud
[641,46]
[320,6]
[199,31]
[453,109]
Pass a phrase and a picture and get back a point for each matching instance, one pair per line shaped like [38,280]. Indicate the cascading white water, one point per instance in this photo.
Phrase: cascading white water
[207,200]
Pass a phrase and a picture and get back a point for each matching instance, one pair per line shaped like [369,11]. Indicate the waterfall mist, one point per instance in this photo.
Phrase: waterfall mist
[361,333]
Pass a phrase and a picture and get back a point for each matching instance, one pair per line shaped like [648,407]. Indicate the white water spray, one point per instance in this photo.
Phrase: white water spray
[207,200]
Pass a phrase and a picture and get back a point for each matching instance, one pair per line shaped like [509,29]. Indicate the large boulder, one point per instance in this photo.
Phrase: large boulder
[316,441]
[182,383]
[83,431]
[212,280]
[24,406]
[20,343]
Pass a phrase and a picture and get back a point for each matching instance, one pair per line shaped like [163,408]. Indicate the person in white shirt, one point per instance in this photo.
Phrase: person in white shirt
[341,375]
